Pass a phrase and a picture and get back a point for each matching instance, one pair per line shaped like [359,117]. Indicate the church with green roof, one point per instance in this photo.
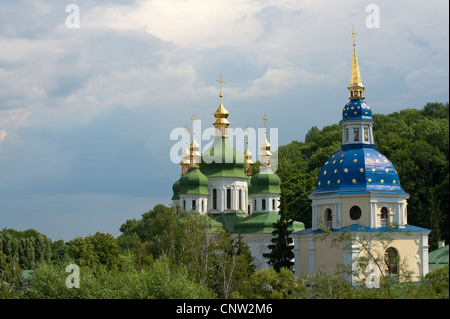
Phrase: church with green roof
[219,182]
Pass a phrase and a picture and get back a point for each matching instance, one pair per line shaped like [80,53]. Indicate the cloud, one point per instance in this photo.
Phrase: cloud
[2,135]
[201,23]
[91,109]
[428,81]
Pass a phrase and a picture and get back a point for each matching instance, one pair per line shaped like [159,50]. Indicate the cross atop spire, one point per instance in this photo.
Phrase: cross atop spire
[265,122]
[186,130]
[193,119]
[246,132]
[221,82]
[353,33]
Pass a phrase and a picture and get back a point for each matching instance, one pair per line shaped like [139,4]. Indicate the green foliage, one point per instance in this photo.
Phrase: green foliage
[232,263]
[270,284]
[159,281]
[209,255]
[171,254]
[92,251]
[27,248]
[282,249]
[437,282]
[335,286]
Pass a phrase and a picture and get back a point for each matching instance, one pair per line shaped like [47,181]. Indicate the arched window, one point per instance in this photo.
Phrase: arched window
[263,204]
[366,134]
[391,258]
[273,205]
[355,213]
[384,216]
[356,134]
[194,204]
[254,204]
[329,217]
[228,198]
[214,198]
[203,206]
[184,204]
[240,199]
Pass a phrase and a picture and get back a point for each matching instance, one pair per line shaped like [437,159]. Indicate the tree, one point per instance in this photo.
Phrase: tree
[233,263]
[159,281]
[92,251]
[81,250]
[269,284]
[282,250]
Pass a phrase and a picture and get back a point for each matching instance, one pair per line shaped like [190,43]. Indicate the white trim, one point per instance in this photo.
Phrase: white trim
[424,255]
[311,255]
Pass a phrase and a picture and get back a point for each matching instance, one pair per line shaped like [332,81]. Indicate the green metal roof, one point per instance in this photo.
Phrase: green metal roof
[261,223]
[438,257]
[193,183]
[222,160]
[176,190]
[265,182]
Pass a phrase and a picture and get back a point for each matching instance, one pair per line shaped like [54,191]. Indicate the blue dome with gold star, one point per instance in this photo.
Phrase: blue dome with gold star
[357,169]
[356,110]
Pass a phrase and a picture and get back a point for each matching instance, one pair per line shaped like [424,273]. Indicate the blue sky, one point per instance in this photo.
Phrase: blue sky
[86,113]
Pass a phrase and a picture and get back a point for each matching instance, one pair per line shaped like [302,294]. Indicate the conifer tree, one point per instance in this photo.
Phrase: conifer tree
[281,251]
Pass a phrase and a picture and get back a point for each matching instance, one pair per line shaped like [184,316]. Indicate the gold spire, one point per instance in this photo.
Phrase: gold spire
[265,153]
[194,148]
[248,156]
[185,157]
[221,123]
[356,87]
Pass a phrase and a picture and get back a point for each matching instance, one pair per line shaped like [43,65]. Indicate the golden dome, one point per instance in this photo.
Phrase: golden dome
[265,153]
[185,157]
[221,123]
[194,146]
[221,115]
[248,156]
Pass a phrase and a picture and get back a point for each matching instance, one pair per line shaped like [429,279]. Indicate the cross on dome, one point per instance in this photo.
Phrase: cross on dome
[221,82]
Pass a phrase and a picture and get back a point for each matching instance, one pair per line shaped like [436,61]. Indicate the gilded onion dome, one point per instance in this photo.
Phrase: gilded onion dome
[248,157]
[221,159]
[265,154]
[194,147]
[185,157]
[221,114]
[265,181]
